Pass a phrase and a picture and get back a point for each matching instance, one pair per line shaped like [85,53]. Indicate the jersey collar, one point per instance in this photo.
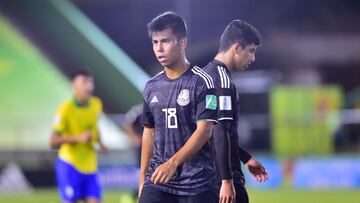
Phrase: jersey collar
[219,63]
[78,104]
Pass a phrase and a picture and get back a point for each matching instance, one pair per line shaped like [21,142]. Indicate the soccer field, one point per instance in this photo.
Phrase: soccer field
[256,196]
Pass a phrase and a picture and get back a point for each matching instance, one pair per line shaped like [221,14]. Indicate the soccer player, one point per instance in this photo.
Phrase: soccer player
[133,128]
[237,49]
[75,131]
[177,162]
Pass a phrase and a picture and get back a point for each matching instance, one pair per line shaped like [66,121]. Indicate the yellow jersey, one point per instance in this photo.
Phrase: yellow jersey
[73,119]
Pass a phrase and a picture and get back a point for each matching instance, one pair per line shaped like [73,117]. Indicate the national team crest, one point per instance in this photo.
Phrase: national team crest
[184,97]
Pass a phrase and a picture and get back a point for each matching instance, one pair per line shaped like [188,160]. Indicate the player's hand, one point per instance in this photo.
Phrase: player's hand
[227,192]
[84,138]
[164,172]
[103,148]
[257,170]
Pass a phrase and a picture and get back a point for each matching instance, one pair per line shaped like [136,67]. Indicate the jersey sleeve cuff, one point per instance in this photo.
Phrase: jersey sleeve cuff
[225,118]
[207,120]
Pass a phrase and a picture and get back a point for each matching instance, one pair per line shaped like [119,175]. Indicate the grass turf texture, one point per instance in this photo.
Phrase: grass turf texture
[282,195]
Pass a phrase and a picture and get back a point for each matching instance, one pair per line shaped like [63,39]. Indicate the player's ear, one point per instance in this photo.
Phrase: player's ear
[183,43]
[237,48]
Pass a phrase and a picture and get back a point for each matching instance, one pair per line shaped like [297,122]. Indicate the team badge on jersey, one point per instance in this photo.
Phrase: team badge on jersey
[184,97]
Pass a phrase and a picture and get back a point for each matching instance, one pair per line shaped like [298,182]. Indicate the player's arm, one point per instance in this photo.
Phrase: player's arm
[130,132]
[147,140]
[201,135]
[146,154]
[56,139]
[60,125]
[128,125]
[255,168]
[103,148]
[223,152]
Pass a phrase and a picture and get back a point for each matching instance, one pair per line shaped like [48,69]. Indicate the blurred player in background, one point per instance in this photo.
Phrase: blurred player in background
[237,49]
[133,128]
[75,132]
[177,163]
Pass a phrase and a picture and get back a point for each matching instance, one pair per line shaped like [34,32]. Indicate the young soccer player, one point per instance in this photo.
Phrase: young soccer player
[177,163]
[75,131]
[237,49]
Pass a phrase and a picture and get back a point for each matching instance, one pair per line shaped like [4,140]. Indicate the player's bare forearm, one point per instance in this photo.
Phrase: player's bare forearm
[56,139]
[165,171]
[103,148]
[197,140]
[146,153]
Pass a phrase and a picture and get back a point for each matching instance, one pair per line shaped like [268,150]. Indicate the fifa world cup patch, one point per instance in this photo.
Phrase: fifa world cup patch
[211,102]
[225,103]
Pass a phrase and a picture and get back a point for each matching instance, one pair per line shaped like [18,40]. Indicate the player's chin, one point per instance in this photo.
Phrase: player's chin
[164,63]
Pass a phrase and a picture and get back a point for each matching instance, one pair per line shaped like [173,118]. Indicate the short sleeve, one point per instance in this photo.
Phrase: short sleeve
[59,122]
[147,116]
[225,101]
[206,106]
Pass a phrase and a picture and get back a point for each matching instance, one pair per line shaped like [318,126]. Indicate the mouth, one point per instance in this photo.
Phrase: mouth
[161,58]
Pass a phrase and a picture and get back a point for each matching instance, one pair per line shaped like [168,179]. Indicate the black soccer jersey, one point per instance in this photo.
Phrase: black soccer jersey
[228,108]
[173,107]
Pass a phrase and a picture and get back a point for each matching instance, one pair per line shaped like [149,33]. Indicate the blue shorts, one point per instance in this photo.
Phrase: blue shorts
[74,185]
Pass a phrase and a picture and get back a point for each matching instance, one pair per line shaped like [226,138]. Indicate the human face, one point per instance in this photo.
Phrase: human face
[244,56]
[83,87]
[167,48]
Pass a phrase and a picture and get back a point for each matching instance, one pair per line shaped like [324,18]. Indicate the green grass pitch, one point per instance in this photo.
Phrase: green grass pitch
[282,195]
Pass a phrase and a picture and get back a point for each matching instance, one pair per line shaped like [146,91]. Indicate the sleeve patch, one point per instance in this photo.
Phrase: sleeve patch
[225,103]
[211,102]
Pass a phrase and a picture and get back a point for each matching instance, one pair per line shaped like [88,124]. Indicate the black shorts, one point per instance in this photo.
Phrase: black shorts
[152,195]
[241,193]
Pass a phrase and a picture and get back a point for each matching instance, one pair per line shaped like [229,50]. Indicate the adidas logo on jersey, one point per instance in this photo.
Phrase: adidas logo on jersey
[154,99]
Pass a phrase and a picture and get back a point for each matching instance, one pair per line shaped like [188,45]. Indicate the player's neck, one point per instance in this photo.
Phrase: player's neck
[224,58]
[80,101]
[177,69]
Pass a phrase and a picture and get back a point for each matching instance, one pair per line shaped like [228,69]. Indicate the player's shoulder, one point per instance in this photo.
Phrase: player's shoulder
[153,81]
[219,74]
[211,69]
[95,99]
[95,102]
[202,77]
[155,78]
[65,106]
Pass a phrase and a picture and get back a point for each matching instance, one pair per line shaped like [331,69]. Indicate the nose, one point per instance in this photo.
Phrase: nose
[158,47]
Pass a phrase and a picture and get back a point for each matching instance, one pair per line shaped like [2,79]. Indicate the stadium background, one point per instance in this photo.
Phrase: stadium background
[300,99]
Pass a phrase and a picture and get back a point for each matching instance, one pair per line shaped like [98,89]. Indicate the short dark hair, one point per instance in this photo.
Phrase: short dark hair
[239,31]
[82,72]
[167,20]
